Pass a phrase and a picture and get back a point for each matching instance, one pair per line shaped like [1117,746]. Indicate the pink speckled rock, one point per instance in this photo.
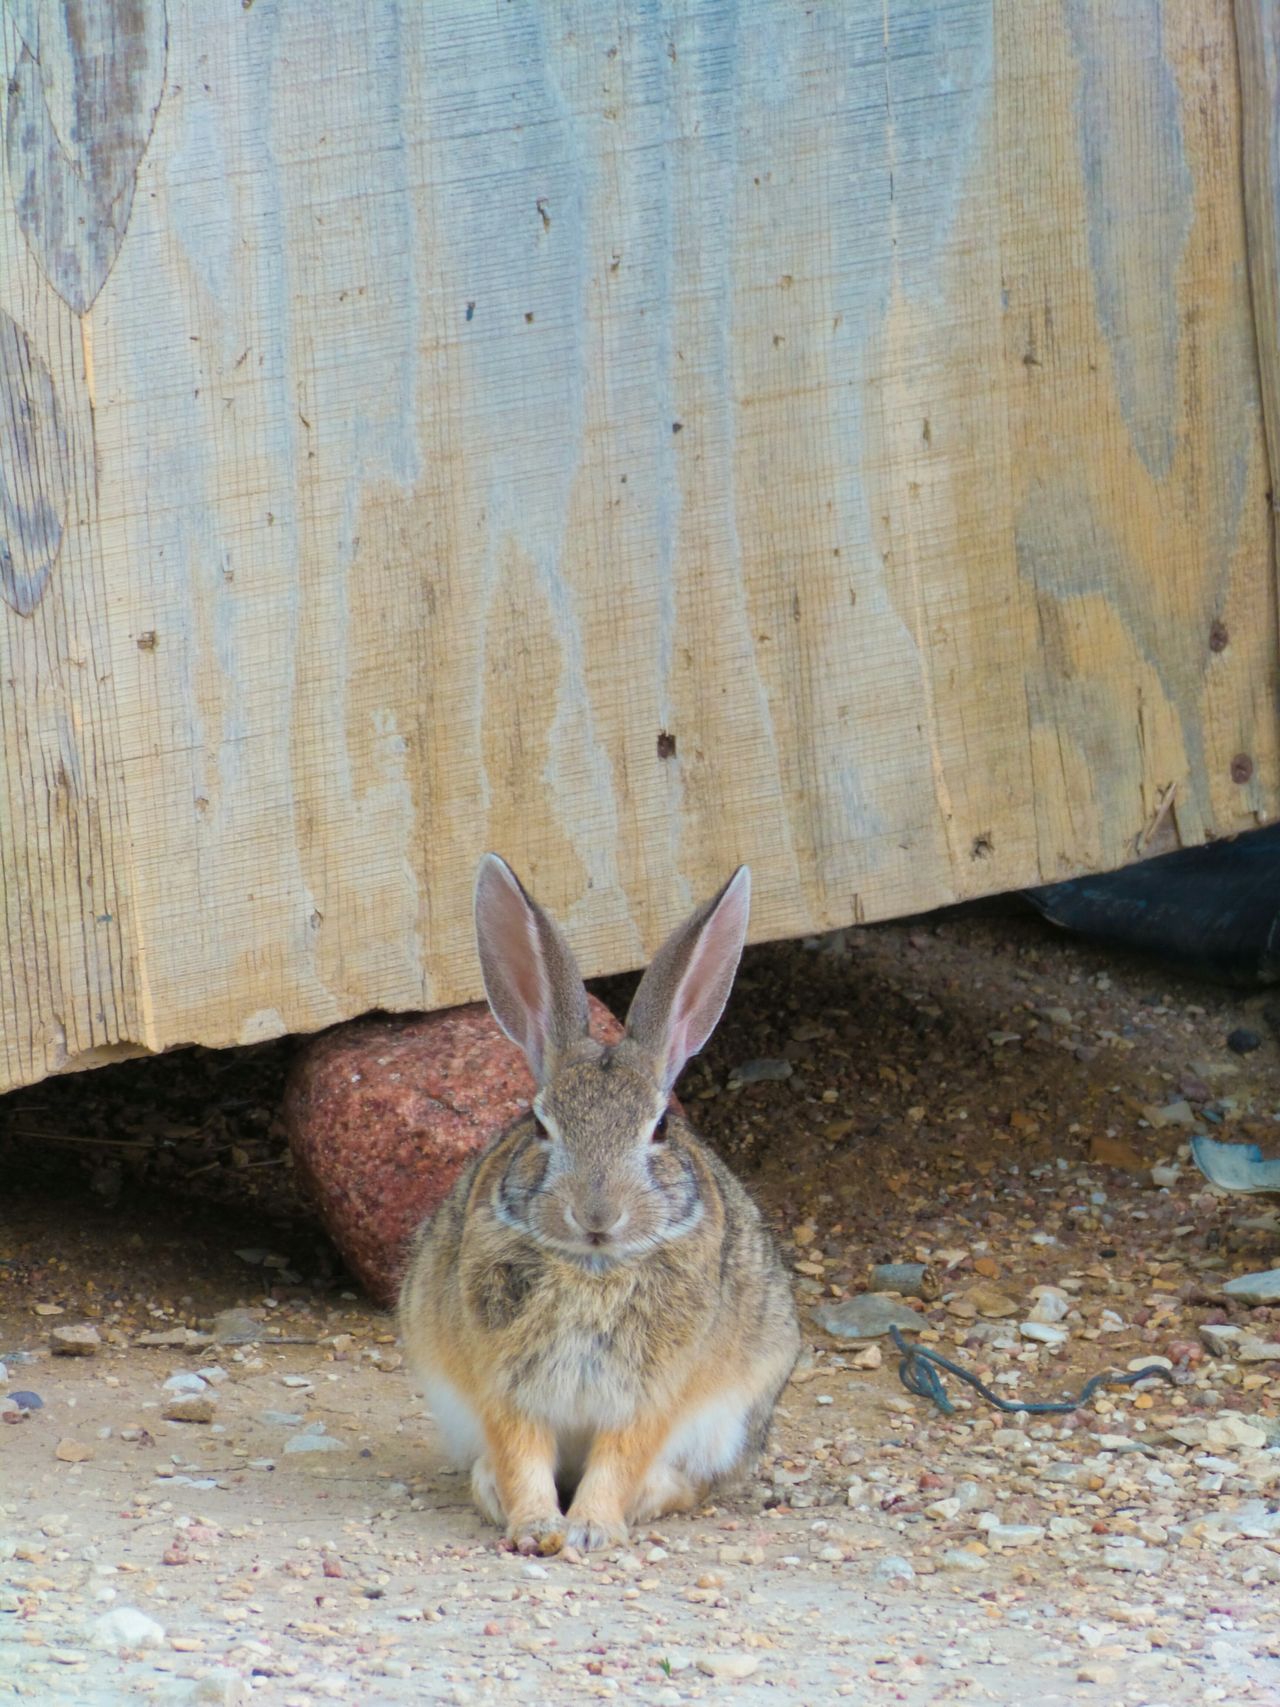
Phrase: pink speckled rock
[384,1113]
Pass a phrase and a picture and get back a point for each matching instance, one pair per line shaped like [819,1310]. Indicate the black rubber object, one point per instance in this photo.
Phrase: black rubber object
[1213,910]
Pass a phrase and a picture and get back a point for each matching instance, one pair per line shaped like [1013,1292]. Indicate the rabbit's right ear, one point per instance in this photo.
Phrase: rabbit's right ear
[535,990]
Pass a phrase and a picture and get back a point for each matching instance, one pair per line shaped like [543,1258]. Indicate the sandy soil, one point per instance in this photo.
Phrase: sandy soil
[969,1090]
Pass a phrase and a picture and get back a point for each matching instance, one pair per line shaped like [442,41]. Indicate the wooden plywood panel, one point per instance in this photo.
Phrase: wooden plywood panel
[1258,46]
[636,439]
[1142,548]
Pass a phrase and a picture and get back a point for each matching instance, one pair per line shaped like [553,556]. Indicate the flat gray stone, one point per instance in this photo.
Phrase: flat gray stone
[1238,1343]
[1254,1519]
[174,1338]
[78,1340]
[760,1072]
[314,1439]
[1260,1288]
[1178,1113]
[185,1381]
[236,1327]
[1135,1556]
[867,1316]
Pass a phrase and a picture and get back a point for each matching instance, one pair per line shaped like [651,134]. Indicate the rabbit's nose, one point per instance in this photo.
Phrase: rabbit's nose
[598,1221]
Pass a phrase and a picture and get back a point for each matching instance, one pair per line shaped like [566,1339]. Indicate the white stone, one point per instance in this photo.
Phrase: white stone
[1014,1534]
[126,1627]
[184,1381]
[732,1666]
[1052,1304]
[1134,1556]
[1046,1333]
[943,1510]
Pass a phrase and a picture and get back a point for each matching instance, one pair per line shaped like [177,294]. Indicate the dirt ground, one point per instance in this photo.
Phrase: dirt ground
[970,1090]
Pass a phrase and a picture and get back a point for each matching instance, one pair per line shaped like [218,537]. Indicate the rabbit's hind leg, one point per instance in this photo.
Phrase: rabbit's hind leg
[664,1489]
[484,1491]
[714,1446]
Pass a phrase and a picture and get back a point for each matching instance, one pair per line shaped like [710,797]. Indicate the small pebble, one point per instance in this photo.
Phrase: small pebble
[1045,1333]
[1243,1041]
[184,1382]
[734,1667]
[78,1340]
[221,1688]
[1179,1113]
[191,1407]
[1052,1304]
[1014,1534]
[912,1279]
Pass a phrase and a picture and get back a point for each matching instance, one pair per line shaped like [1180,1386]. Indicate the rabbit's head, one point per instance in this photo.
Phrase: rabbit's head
[596,1178]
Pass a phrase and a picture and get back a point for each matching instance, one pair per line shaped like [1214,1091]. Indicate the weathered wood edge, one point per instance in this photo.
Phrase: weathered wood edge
[1258,41]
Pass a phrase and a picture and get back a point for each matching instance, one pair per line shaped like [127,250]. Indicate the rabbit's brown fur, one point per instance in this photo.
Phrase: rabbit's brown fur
[597,1307]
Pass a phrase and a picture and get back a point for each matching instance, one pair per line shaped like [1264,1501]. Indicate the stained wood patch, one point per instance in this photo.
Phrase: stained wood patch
[638,440]
[82,101]
[34,472]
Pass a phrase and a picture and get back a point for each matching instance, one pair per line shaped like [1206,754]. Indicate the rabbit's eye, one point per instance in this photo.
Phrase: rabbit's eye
[541,1130]
[660,1130]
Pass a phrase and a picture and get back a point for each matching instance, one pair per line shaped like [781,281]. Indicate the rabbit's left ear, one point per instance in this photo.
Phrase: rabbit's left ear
[532,981]
[682,995]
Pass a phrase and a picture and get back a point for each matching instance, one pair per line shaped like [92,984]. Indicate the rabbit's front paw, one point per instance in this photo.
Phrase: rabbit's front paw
[538,1534]
[589,1534]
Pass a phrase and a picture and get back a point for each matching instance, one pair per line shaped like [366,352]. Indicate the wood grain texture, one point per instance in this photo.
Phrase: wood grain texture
[637,439]
[1258,46]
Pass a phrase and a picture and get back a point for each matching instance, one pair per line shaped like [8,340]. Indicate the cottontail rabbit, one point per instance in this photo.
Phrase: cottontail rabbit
[596,1309]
